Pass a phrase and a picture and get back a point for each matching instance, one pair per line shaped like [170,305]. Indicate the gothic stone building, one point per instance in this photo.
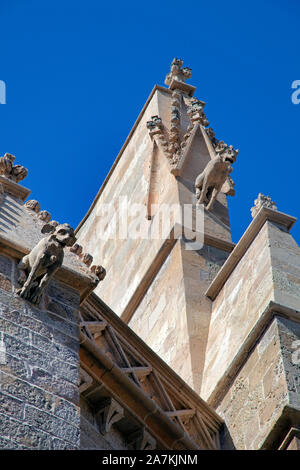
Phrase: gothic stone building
[188,342]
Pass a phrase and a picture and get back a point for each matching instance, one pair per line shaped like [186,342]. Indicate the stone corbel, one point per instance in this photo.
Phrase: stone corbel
[110,412]
[196,113]
[85,380]
[156,133]
[142,440]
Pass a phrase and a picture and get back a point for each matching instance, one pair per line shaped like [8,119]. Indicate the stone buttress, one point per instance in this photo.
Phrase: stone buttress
[156,284]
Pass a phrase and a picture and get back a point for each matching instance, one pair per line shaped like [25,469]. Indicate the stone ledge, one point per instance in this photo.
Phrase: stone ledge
[292,433]
[286,427]
[182,86]
[14,189]
[265,214]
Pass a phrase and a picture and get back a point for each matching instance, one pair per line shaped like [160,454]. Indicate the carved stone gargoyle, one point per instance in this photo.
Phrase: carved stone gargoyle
[39,266]
[209,183]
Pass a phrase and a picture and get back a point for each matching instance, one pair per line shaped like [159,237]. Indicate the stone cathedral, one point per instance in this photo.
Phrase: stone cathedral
[182,341]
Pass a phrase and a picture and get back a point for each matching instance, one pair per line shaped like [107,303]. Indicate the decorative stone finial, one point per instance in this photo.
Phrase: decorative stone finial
[176,78]
[13,172]
[178,73]
[262,200]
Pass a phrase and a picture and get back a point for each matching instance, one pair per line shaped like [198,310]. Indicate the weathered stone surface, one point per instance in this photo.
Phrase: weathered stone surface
[39,377]
[24,434]
[64,294]
[52,425]
[263,387]
[267,272]
[11,406]
[63,310]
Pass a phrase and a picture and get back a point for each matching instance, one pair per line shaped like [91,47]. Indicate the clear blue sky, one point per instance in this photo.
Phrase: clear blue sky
[78,74]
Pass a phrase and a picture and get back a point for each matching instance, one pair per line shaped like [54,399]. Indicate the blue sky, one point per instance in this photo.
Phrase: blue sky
[78,73]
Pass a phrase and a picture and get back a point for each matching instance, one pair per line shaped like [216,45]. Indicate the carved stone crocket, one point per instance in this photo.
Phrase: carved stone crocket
[39,266]
[209,183]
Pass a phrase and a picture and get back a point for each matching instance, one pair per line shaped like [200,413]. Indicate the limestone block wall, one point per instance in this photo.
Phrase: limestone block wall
[173,317]
[160,319]
[245,295]
[39,378]
[256,406]
[269,271]
[285,259]
[127,260]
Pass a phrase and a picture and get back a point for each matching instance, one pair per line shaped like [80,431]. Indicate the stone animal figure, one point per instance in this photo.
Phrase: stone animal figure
[209,183]
[39,266]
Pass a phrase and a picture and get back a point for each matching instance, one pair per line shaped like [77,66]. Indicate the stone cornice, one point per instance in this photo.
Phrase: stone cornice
[265,214]
[293,432]
[184,87]
[15,189]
